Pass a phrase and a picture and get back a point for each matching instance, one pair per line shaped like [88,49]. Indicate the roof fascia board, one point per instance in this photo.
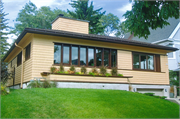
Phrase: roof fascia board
[175,30]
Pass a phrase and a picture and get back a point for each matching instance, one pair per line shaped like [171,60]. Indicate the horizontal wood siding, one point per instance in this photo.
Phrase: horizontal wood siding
[124,59]
[71,25]
[87,78]
[27,64]
[43,56]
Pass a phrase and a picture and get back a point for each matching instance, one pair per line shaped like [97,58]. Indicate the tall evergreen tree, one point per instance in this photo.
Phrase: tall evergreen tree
[3,31]
[5,75]
[85,12]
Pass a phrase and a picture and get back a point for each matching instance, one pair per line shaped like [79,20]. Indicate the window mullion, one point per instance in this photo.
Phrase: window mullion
[62,54]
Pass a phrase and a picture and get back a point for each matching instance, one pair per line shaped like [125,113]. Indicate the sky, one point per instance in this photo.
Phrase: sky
[12,8]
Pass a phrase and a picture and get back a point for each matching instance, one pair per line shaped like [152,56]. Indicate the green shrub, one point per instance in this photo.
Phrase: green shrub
[156,96]
[163,97]
[72,68]
[120,74]
[149,94]
[83,69]
[108,74]
[60,72]
[46,84]
[53,84]
[35,84]
[61,69]
[53,69]
[94,70]
[103,70]
[4,89]
[114,71]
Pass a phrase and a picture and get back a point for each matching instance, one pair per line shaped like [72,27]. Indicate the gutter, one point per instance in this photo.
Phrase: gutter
[22,70]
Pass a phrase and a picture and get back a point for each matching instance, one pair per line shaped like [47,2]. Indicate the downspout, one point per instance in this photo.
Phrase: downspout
[21,65]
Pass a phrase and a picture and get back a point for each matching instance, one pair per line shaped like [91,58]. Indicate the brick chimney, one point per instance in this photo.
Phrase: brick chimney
[70,24]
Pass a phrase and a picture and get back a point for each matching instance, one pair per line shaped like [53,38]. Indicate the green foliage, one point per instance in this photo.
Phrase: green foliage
[46,84]
[35,84]
[91,73]
[3,32]
[150,14]
[120,74]
[108,74]
[103,70]
[156,96]
[94,70]
[72,68]
[31,17]
[114,71]
[61,68]
[53,69]
[84,11]
[83,69]
[111,24]
[149,94]
[174,79]
[5,74]
[4,89]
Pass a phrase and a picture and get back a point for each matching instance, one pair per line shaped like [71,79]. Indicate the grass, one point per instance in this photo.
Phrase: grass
[84,103]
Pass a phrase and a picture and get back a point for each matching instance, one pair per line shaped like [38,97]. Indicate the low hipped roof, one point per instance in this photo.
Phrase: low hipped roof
[88,37]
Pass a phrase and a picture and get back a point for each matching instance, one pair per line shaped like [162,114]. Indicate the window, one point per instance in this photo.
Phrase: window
[74,55]
[66,54]
[90,57]
[28,52]
[83,55]
[106,57]
[143,61]
[19,59]
[98,57]
[113,58]
[57,54]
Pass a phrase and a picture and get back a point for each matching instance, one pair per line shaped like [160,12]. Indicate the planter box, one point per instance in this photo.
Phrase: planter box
[85,78]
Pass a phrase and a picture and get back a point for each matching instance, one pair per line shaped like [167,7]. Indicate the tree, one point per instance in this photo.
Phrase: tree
[5,75]
[150,14]
[31,17]
[3,32]
[111,24]
[85,12]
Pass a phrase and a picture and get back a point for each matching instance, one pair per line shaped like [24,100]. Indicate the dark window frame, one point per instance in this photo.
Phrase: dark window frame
[19,59]
[82,46]
[157,66]
[28,52]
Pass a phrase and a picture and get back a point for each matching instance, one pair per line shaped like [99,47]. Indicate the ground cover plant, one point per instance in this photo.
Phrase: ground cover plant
[84,103]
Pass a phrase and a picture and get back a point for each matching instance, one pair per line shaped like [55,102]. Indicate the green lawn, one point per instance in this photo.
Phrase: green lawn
[84,103]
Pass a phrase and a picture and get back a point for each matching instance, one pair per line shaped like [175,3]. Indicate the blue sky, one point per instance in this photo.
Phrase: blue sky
[12,7]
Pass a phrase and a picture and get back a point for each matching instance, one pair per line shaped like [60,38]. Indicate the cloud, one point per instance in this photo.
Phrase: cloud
[124,8]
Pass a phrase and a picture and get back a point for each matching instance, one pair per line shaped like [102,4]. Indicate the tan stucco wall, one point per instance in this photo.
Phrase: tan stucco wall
[71,25]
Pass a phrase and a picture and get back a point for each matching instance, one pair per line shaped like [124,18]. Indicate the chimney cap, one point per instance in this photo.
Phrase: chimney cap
[61,15]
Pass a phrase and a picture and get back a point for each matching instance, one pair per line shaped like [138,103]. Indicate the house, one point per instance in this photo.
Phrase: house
[167,36]
[69,43]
